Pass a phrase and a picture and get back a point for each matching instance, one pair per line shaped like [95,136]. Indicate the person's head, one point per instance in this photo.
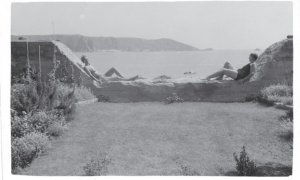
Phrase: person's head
[84,60]
[253,57]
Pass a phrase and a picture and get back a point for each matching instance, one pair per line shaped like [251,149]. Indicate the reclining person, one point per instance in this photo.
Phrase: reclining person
[242,75]
[107,76]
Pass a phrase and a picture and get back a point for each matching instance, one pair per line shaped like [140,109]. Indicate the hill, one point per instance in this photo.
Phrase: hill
[81,43]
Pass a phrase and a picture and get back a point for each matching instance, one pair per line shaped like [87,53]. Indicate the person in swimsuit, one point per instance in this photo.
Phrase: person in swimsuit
[242,75]
[107,76]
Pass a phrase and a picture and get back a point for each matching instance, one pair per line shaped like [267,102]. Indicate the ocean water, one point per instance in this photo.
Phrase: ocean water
[174,64]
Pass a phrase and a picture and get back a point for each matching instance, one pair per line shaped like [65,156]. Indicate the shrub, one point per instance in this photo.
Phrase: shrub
[26,148]
[20,125]
[287,124]
[278,90]
[24,97]
[289,116]
[97,166]
[102,98]
[173,99]
[55,129]
[38,121]
[244,166]
[83,93]
[278,93]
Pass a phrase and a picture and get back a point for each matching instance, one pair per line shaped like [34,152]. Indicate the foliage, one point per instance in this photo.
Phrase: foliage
[278,93]
[97,166]
[83,93]
[19,125]
[289,116]
[174,98]
[287,124]
[56,129]
[26,148]
[244,166]
[102,98]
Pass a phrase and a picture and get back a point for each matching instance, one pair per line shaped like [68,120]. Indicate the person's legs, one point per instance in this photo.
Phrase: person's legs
[123,79]
[228,72]
[227,65]
[111,71]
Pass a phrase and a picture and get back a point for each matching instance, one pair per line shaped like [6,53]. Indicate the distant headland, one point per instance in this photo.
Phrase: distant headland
[79,43]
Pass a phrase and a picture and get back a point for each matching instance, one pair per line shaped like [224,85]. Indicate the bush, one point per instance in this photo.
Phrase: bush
[20,126]
[289,116]
[278,90]
[55,129]
[244,166]
[278,93]
[102,98]
[38,121]
[83,93]
[287,124]
[173,99]
[26,148]
[24,97]
[97,166]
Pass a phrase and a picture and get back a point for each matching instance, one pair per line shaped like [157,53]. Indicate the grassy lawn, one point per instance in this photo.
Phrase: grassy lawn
[158,139]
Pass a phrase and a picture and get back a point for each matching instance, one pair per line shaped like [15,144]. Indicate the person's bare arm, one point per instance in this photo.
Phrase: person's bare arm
[90,74]
[252,71]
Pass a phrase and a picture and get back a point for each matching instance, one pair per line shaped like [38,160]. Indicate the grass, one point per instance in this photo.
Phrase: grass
[97,166]
[151,138]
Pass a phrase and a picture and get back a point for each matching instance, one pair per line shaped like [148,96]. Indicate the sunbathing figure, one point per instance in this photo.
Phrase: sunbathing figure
[107,76]
[241,75]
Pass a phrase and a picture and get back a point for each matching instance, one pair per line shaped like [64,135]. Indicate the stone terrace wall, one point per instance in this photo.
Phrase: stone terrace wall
[275,65]
[66,68]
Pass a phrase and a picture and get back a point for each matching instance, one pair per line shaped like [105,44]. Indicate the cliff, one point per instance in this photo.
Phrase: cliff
[85,44]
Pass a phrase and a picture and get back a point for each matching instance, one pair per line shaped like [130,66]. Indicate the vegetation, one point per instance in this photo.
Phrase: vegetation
[40,111]
[155,136]
[244,166]
[97,166]
[277,93]
[24,149]
[287,124]
[83,93]
[173,99]
[186,170]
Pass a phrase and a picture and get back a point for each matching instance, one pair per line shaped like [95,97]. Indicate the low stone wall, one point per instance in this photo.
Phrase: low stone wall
[274,65]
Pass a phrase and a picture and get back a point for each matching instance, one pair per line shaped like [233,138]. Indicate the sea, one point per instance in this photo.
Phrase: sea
[175,64]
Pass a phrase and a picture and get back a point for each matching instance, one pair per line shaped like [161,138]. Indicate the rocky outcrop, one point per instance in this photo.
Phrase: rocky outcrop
[275,65]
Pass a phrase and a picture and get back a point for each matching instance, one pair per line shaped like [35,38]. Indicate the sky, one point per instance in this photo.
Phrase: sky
[219,25]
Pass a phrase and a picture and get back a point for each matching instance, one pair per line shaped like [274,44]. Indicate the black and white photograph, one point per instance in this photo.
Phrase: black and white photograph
[164,88]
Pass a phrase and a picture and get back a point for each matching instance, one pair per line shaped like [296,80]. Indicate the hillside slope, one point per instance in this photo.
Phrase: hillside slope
[81,43]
